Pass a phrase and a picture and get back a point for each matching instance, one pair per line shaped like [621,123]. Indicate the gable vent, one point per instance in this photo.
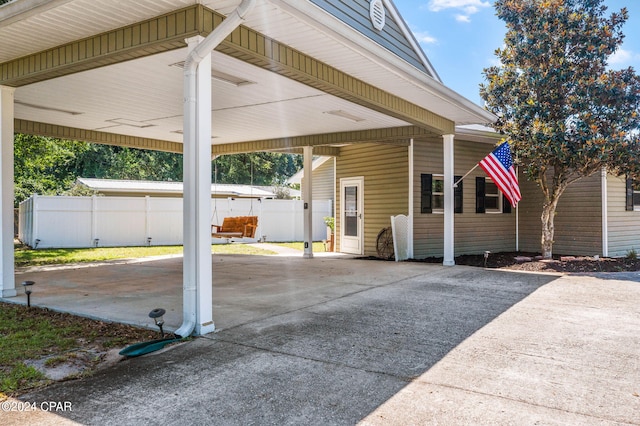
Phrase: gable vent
[377,14]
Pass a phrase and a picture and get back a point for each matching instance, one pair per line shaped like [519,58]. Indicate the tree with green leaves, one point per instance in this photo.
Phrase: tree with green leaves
[565,113]
[44,165]
[259,168]
[50,166]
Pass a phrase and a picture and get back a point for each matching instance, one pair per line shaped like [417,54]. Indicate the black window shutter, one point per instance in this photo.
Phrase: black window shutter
[425,193]
[457,195]
[629,201]
[506,205]
[480,193]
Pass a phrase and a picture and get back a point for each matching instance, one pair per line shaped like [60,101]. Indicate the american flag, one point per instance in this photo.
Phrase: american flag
[499,166]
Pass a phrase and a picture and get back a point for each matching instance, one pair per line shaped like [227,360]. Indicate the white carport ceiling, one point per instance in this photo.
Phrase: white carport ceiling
[147,93]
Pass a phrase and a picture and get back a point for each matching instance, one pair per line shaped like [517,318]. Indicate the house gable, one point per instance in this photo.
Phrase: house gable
[393,36]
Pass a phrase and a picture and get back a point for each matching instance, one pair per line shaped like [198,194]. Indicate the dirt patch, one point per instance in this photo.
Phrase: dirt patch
[523,261]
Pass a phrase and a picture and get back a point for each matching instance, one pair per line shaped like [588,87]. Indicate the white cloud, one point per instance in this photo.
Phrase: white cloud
[621,57]
[424,37]
[467,7]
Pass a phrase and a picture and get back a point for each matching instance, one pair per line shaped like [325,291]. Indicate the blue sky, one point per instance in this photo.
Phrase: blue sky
[460,36]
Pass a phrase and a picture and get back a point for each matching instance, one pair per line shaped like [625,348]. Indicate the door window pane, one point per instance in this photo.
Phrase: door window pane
[351,211]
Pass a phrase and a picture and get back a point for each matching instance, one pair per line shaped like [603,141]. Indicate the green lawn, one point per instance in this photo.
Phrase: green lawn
[25,256]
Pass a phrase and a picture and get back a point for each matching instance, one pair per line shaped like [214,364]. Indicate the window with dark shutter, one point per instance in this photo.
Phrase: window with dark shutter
[489,198]
[632,195]
[432,194]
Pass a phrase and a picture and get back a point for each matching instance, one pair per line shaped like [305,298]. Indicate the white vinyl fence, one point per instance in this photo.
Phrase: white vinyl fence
[59,221]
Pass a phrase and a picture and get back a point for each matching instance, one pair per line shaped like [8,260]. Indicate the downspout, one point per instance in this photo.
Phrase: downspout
[230,23]
[605,212]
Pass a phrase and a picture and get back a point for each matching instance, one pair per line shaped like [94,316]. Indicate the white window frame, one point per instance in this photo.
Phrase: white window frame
[435,177]
[497,195]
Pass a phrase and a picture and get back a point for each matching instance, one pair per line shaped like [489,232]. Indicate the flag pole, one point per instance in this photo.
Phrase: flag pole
[455,185]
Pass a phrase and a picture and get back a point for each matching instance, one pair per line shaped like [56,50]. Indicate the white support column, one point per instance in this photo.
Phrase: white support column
[411,201]
[307,196]
[197,270]
[449,202]
[7,285]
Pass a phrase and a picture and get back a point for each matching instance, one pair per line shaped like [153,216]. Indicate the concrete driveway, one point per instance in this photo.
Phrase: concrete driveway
[343,341]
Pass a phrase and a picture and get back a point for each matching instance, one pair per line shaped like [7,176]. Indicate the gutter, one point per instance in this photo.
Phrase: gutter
[231,22]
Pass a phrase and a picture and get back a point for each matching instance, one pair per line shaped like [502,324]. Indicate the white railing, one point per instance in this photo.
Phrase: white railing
[60,221]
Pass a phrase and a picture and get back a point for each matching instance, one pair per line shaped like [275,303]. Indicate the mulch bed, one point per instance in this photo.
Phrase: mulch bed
[523,261]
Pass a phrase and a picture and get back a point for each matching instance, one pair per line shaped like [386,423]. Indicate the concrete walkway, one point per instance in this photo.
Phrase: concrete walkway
[371,342]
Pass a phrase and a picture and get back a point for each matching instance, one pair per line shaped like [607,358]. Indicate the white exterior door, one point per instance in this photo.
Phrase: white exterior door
[351,215]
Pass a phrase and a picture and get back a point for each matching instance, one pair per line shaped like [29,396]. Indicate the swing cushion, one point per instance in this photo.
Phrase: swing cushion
[241,226]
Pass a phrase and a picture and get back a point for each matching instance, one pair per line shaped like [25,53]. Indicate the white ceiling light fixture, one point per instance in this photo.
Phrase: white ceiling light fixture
[221,76]
[131,123]
[343,114]
[180,132]
[46,108]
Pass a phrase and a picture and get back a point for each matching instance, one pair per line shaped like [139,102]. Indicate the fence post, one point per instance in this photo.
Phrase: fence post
[34,235]
[147,220]
[94,220]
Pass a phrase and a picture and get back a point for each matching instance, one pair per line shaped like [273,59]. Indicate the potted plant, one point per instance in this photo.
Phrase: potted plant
[331,226]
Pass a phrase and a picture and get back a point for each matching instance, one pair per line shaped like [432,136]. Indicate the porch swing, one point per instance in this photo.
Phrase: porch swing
[233,227]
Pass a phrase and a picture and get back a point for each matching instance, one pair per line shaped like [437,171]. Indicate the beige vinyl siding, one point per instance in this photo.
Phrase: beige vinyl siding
[385,169]
[474,232]
[323,182]
[578,221]
[623,226]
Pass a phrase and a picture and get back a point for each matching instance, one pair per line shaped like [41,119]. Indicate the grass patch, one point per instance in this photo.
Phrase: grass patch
[25,256]
[37,333]
[20,377]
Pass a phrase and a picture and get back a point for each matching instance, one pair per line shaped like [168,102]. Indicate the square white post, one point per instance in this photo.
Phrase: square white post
[8,285]
[449,202]
[307,196]
[197,270]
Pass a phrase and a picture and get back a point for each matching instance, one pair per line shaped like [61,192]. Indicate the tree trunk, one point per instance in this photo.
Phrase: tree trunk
[547,231]
[547,218]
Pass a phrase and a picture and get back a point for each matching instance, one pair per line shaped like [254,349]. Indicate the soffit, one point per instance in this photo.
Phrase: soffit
[47,24]
[144,98]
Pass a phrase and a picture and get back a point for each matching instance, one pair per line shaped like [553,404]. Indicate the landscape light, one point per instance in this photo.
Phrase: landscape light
[157,315]
[486,257]
[28,289]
